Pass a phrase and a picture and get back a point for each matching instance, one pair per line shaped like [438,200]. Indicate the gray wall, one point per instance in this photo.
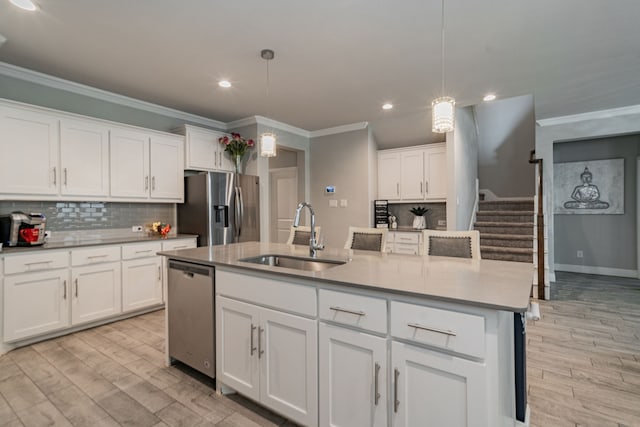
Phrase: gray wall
[506,135]
[606,240]
[342,160]
[44,96]
[462,162]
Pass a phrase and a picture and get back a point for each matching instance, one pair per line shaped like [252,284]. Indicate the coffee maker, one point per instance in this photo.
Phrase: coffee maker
[21,229]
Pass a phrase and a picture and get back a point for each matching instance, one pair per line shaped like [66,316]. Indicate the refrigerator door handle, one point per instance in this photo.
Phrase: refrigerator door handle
[237,224]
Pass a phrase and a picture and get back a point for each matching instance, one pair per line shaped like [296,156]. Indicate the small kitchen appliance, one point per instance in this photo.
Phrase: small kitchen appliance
[21,229]
[381,213]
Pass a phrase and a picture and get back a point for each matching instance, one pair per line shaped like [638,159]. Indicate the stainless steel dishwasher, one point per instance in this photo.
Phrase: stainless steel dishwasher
[191,317]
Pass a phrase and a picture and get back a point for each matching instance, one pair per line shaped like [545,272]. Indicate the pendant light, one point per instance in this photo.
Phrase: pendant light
[267,139]
[442,108]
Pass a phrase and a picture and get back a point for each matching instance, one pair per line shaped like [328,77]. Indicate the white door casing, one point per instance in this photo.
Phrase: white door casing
[283,194]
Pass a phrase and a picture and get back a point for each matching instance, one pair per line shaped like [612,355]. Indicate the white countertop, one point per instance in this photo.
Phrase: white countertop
[492,284]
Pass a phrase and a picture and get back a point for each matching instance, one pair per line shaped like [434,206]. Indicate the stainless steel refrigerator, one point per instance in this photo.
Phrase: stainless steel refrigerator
[221,208]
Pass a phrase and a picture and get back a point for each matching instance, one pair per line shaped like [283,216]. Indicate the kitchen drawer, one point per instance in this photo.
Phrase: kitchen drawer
[40,260]
[405,248]
[407,238]
[141,250]
[286,296]
[175,244]
[356,310]
[459,332]
[95,255]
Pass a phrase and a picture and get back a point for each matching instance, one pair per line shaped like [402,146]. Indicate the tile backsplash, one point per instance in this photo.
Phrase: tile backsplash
[437,212]
[75,216]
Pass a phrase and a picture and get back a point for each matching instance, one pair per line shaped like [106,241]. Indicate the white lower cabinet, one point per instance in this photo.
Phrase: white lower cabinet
[269,356]
[430,388]
[35,303]
[95,292]
[353,378]
[141,276]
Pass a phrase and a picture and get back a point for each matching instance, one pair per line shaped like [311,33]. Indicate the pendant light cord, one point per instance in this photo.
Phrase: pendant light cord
[268,104]
[442,47]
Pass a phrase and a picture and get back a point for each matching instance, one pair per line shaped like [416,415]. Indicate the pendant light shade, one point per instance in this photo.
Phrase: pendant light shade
[443,109]
[268,145]
[443,112]
[267,139]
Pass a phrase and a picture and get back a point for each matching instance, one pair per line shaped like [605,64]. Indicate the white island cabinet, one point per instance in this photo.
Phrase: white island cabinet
[379,340]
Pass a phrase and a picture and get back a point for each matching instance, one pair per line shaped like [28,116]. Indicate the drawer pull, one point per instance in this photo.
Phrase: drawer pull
[436,330]
[396,402]
[143,252]
[345,310]
[175,248]
[97,256]
[376,398]
[37,262]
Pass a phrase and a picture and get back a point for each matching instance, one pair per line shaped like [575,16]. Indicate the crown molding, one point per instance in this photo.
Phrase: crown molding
[592,115]
[260,120]
[339,129]
[80,89]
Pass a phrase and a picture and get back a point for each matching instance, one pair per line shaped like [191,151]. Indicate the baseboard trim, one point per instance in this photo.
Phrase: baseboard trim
[604,271]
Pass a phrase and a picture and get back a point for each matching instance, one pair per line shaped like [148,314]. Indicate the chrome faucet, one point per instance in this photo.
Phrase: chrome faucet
[313,243]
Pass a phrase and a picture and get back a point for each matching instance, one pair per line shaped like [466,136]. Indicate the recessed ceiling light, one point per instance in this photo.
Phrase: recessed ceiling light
[224,83]
[489,97]
[387,106]
[24,4]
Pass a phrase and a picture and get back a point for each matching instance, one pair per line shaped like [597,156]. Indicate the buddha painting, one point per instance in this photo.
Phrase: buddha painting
[586,195]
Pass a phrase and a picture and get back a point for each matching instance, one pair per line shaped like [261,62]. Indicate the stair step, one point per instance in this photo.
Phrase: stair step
[506,205]
[507,243]
[507,254]
[504,216]
[493,227]
[507,236]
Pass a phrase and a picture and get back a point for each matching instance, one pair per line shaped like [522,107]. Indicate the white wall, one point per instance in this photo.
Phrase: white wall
[506,136]
[462,170]
[344,160]
[583,126]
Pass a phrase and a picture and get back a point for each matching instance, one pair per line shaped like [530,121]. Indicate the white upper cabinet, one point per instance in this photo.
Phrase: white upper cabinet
[388,175]
[129,163]
[29,152]
[52,155]
[84,158]
[146,165]
[413,174]
[203,151]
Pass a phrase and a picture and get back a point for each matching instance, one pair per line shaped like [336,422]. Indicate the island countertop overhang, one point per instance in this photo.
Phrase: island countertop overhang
[498,285]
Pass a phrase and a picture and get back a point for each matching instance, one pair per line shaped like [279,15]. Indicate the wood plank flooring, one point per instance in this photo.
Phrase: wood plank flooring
[583,361]
[583,355]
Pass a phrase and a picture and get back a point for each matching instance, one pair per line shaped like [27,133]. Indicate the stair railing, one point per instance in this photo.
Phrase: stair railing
[540,224]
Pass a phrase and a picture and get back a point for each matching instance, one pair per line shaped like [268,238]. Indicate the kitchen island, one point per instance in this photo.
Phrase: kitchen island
[380,340]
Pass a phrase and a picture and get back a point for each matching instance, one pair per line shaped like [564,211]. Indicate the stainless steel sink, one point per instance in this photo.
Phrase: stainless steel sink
[297,263]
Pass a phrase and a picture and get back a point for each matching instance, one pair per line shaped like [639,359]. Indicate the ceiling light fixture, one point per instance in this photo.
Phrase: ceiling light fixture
[489,97]
[442,108]
[267,139]
[24,4]
[224,83]
[387,106]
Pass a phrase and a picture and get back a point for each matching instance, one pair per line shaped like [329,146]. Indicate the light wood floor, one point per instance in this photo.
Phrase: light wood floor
[583,361]
[583,355]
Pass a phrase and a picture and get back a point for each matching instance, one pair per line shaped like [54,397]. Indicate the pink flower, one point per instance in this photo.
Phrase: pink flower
[235,136]
[223,140]
[250,143]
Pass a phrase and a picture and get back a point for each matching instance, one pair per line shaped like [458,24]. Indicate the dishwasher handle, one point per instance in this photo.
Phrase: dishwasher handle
[191,269]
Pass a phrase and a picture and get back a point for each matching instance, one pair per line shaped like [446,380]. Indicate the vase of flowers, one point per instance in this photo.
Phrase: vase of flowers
[236,146]
[419,221]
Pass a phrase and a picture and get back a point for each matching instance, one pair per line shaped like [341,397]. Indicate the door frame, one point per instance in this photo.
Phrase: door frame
[272,195]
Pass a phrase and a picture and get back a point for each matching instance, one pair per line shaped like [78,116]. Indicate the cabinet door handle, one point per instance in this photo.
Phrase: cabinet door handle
[55,174]
[64,287]
[146,182]
[420,187]
[65,176]
[159,274]
[396,402]
[153,183]
[260,350]
[76,282]
[376,397]
[426,184]
[397,188]
[253,328]
[346,310]
[430,329]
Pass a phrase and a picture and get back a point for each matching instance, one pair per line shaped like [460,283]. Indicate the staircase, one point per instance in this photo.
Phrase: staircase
[506,229]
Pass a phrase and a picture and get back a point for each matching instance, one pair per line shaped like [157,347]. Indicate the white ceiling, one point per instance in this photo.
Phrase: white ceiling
[337,61]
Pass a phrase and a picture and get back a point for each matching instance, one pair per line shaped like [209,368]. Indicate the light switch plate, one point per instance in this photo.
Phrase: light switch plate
[333,203]
[343,203]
